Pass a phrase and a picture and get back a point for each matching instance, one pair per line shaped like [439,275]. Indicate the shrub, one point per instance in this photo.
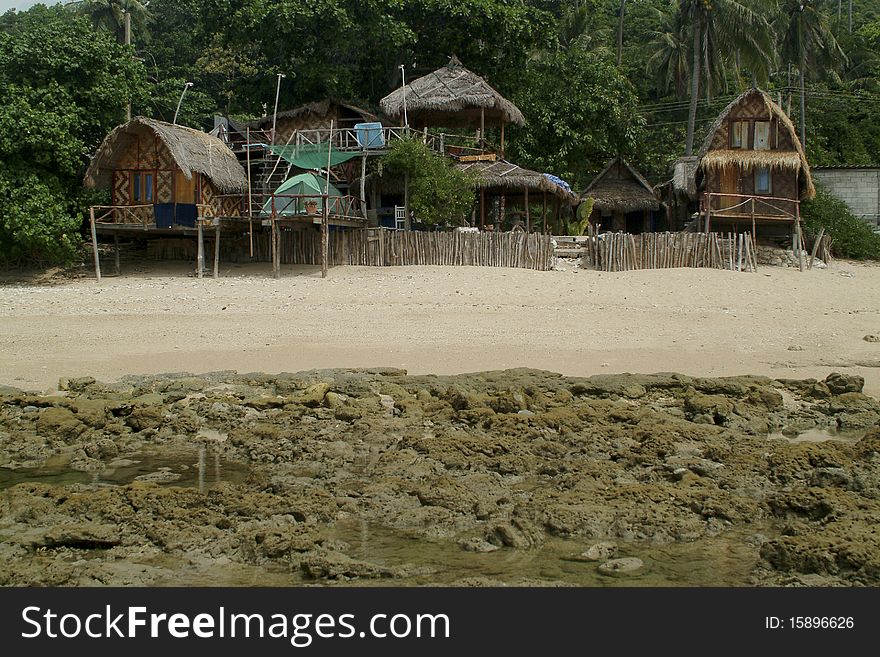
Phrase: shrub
[852,237]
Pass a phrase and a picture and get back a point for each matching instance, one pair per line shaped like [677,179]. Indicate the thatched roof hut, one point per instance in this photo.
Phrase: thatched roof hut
[502,176]
[326,109]
[451,97]
[715,155]
[192,151]
[620,188]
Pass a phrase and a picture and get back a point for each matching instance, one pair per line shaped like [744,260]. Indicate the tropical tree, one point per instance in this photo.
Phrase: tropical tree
[807,42]
[110,14]
[721,29]
[670,60]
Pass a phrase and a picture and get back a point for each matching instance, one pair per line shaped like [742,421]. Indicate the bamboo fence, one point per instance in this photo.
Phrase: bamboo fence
[615,252]
[389,248]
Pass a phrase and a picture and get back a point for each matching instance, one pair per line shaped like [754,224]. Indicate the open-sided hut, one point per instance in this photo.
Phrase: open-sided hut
[452,97]
[622,199]
[163,175]
[503,185]
[752,170]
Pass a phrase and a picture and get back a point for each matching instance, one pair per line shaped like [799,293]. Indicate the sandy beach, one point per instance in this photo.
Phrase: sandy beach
[157,318]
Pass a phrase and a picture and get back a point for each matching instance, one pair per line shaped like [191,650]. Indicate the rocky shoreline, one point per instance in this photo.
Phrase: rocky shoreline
[510,477]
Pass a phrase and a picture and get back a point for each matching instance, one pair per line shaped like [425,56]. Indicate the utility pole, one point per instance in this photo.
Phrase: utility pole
[128,43]
[403,88]
[620,32]
[275,113]
[180,100]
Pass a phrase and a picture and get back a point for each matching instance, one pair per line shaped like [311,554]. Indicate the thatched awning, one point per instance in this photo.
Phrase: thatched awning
[621,188]
[722,159]
[505,176]
[785,159]
[319,108]
[191,150]
[451,97]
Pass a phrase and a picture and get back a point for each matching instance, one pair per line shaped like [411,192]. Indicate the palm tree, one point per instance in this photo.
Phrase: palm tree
[671,57]
[110,14]
[807,42]
[620,32]
[720,29]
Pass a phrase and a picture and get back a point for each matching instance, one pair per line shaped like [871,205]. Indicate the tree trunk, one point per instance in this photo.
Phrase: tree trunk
[803,100]
[620,32]
[850,16]
[695,84]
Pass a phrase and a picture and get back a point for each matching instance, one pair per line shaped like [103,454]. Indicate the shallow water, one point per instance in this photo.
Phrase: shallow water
[724,560]
[197,468]
[821,434]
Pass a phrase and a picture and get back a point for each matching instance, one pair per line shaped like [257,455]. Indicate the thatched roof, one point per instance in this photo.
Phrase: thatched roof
[320,108]
[784,159]
[192,151]
[502,175]
[451,97]
[499,176]
[619,187]
[684,171]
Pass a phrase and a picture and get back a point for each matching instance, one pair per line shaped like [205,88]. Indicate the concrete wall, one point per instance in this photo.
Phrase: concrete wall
[858,188]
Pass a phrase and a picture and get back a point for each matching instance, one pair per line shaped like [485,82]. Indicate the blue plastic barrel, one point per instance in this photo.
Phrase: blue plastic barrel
[369,135]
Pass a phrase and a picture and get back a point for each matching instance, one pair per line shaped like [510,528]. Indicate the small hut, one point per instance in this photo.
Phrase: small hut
[506,187]
[622,199]
[752,169]
[166,175]
[311,116]
[452,97]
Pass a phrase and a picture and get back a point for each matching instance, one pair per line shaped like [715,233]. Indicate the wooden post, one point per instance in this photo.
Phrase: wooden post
[528,214]
[558,209]
[502,207]
[250,199]
[363,184]
[200,258]
[325,215]
[217,250]
[754,231]
[482,208]
[800,237]
[116,247]
[502,138]
[406,222]
[95,244]
[544,213]
[482,126]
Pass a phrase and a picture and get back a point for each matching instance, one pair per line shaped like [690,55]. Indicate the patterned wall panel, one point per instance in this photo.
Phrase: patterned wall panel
[121,188]
[163,186]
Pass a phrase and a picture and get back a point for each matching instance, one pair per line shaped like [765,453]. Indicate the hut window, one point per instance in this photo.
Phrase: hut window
[148,186]
[762,180]
[136,187]
[739,131]
[762,135]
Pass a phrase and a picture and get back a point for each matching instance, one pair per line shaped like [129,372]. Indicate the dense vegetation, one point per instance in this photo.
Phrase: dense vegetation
[852,237]
[591,79]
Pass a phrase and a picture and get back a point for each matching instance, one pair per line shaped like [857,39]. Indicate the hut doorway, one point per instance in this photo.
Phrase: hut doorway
[729,185]
[184,188]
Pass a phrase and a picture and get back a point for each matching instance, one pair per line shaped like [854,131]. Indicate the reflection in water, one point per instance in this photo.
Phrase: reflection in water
[179,468]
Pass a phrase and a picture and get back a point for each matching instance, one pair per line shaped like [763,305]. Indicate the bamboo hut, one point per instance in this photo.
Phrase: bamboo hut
[162,175]
[311,116]
[452,97]
[622,199]
[504,186]
[752,170]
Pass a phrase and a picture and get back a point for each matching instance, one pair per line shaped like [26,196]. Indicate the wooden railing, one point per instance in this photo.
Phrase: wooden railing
[749,205]
[123,214]
[349,207]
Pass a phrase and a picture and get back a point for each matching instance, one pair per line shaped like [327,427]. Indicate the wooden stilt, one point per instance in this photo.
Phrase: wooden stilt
[482,209]
[250,199]
[502,139]
[95,244]
[364,184]
[217,251]
[528,214]
[116,251]
[200,258]
[544,213]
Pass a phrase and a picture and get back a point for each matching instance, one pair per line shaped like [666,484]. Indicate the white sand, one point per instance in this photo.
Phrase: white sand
[445,320]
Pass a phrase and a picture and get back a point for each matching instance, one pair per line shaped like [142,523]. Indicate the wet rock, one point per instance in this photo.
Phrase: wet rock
[83,536]
[834,478]
[603,551]
[338,566]
[60,423]
[146,417]
[871,338]
[476,544]
[623,567]
[840,383]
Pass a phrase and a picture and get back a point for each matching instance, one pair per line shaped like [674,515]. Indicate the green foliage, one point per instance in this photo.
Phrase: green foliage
[852,237]
[581,112]
[62,87]
[578,225]
[439,194]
